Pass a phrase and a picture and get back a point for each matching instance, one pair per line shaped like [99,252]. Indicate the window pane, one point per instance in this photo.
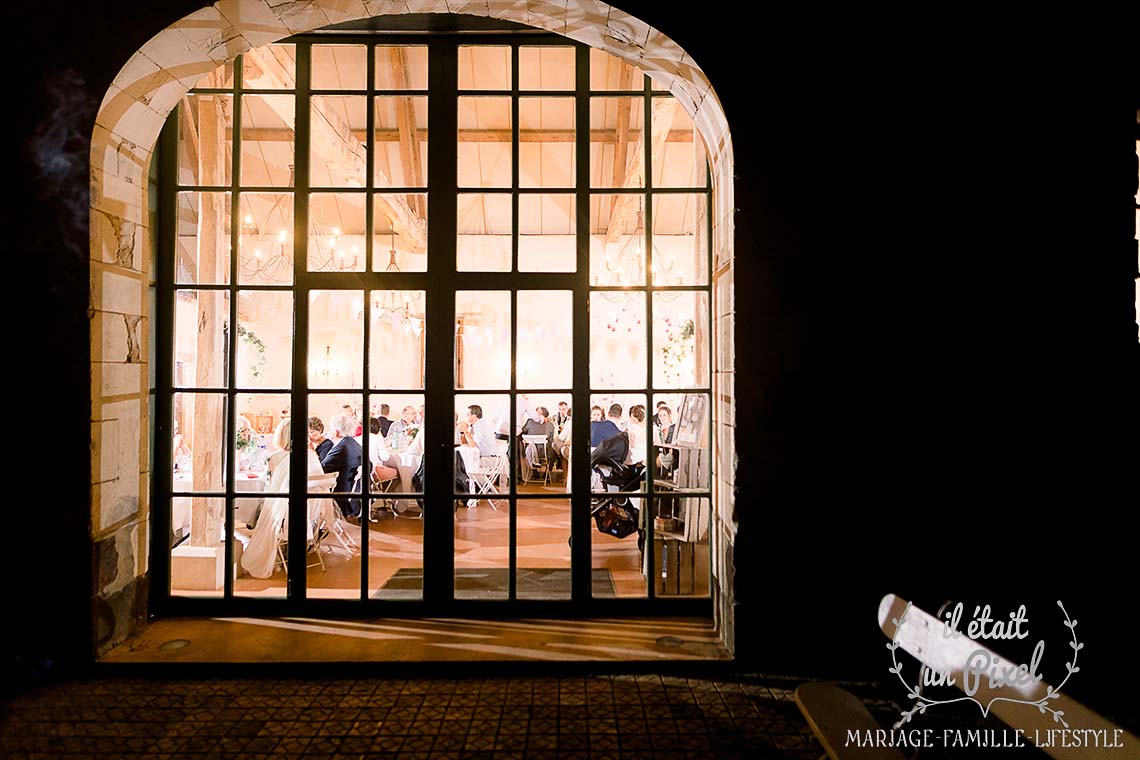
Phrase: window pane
[267,140]
[680,239]
[617,340]
[544,347]
[483,339]
[340,67]
[198,450]
[336,338]
[203,249]
[547,226]
[678,151]
[546,68]
[484,142]
[399,241]
[205,142]
[681,546]
[401,67]
[546,142]
[617,150]
[396,341]
[543,569]
[333,417]
[680,339]
[681,442]
[399,420]
[336,232]
[484,67]
[197,564]
[401,142]
[265,339]
[484,232]
[617,563]
[266,242]
[542,451]
[482,522]
[608,72]
[262,452]
[336,141]
[201,348]
[617,240]
[273,67]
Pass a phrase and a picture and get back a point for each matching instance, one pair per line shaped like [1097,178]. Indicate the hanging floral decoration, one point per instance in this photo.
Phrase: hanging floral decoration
[678,346]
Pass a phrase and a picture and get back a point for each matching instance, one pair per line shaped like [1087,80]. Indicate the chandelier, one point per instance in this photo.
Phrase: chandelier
[399,307]
[628,269]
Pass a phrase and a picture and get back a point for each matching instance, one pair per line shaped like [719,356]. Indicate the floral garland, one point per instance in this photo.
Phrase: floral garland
[677,346]
[258,347]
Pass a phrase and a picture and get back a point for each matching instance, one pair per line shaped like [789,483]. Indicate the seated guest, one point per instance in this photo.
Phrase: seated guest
[663,433]
[378,453]
[538,424]
[473,431]
[637,435]
[406,422]
[561,417]
[601,430]
[344,459]
[317,440]
[385,423]
[614,416]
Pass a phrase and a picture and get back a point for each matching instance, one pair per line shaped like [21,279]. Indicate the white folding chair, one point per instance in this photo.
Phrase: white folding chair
[541,456]
[485,478]
[323,513]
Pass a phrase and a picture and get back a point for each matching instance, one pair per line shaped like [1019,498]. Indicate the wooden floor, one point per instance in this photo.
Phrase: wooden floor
[482,541]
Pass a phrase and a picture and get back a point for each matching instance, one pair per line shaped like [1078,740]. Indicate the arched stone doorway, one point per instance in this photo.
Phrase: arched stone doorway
[130,117]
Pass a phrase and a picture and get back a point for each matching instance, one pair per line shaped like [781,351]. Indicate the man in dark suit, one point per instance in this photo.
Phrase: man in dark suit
[344,459]
[385,422]
[601,430]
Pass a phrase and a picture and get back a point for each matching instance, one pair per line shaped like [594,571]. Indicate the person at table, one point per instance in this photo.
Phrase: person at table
[420,415]
[638,435]
[317,441]
[657,414]
[561,443]
[260,555]
[663,433]
[601,430]
[538,424]
[344,459]
[406,422]
[561,417]
[385,423]
[378,452]
[474,431]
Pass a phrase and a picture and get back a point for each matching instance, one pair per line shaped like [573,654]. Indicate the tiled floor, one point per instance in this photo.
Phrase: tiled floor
[626,716]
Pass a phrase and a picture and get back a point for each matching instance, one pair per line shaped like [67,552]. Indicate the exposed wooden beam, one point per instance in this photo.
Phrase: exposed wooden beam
[270,134]
[621,142]
[664,112]
[343,154]
[190,131]
[406,126]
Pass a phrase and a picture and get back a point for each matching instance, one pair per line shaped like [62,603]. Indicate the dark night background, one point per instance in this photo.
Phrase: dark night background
[937,364]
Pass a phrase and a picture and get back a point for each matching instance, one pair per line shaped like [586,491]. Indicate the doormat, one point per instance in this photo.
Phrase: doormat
[533,582]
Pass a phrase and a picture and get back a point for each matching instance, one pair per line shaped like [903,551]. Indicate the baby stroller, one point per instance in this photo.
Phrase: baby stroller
[615,514]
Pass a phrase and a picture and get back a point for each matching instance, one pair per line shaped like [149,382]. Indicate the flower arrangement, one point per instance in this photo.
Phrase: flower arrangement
[245,439]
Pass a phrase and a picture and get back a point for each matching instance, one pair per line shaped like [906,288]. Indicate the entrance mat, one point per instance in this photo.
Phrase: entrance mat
[533,583]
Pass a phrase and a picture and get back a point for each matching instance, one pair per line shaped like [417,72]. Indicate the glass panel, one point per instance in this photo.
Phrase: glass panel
[483,227]
[265,339]
[680,239]
[205,142]
[678,151]
[340,67]
[615,473]
[199,450]
[332,551]
[608,72]
[546,68]
[546,142]
[544,347]
[680,339]
[617,151]
[399,242]
[484,67]
[267,140]
[482,522]
[336,140]
[543,550]
[221,77]
[335,432]
[336,232]
[336,338]
[484,150]
[395,547]
[542,442]
[681,442]
[547,224]
[483,339]
[266,242]
[197,564]
[401,67]
[395,445]
[401,142]
[612,414]
[273,67]
[681,546]
[201,348]
[396,340]
[262,447]
[617,340]
[203,251]
[617,240]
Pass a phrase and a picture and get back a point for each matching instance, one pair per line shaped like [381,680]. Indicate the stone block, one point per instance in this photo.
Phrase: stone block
[117,240]
[197,568]
[385,7]
[339,11]
[253,20]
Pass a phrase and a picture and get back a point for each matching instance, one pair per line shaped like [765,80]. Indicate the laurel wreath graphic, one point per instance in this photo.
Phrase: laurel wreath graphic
[923,702]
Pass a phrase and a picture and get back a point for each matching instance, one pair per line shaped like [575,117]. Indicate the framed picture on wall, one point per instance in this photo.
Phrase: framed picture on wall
[691,424]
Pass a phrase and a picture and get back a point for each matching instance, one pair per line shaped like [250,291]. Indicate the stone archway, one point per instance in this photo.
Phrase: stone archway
[127,126]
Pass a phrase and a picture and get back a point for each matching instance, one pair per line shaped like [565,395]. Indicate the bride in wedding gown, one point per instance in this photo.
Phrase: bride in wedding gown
[260,555]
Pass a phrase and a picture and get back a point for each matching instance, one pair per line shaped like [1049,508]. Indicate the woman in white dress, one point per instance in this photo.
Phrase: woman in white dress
[260,556]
